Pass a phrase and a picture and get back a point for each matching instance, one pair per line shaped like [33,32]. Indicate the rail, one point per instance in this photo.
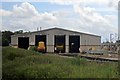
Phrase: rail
[96,58]
[100,58]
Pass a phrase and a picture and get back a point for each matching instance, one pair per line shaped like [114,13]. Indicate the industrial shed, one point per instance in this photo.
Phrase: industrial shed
[72,41]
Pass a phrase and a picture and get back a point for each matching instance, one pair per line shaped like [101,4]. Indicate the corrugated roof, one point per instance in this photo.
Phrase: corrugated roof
[61,29]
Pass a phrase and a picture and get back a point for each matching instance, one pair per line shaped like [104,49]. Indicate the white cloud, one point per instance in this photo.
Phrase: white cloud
[82,18]
[95,22]
[24,10]
[68,2]
[111,18]
[4,13]
[113,3]
[110,3]
[26,17]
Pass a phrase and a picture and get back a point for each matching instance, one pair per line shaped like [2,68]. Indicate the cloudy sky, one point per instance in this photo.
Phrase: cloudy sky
[91,16]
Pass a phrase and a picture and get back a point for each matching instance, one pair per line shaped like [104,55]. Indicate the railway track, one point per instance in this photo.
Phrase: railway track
[100,59]
[92,58]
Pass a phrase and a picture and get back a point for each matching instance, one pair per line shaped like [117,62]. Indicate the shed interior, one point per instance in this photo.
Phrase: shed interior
[23,42]
[59,46]
[39,38]
[74,43]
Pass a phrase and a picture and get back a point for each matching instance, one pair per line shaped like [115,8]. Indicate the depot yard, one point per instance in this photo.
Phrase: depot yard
[26,64]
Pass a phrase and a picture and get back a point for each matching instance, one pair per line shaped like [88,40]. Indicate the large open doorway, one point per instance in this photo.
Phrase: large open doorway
[39,38]
[23,42]
[59,42]
[74,43]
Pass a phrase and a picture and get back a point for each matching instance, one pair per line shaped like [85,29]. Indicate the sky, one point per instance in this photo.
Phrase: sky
[98,17]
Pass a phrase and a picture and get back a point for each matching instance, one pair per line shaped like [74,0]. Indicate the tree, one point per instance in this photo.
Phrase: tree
[18,32]
[6,38]
[5,42]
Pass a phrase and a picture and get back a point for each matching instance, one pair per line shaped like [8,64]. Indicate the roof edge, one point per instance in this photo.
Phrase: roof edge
[59,29]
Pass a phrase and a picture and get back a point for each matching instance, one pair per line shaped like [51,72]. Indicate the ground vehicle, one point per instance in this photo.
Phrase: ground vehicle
[59,48]
[41,46]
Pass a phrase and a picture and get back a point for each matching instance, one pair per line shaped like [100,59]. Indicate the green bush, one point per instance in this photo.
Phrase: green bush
[5,42]
[33,48]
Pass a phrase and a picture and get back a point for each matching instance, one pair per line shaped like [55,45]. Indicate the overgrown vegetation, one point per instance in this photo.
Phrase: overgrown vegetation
[6,36]
[22,64]
[33,48]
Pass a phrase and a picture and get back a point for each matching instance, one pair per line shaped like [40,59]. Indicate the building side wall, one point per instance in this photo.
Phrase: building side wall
[14,40]
[87,47]
[90,40]
[86,41]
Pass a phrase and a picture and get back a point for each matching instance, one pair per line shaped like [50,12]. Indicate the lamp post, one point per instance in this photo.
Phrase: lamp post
[110,44]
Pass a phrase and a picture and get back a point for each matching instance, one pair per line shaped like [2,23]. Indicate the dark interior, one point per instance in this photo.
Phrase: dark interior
[23,42]
[59,41]
[74,44]
[39,38]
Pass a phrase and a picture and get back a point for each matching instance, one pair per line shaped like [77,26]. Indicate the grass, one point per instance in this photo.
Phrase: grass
[27,64]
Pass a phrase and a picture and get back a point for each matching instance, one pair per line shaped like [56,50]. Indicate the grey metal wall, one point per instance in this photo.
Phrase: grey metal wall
[84,38]
[90,40]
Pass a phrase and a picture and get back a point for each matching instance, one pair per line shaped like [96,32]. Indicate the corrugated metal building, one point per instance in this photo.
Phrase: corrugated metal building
[71,40]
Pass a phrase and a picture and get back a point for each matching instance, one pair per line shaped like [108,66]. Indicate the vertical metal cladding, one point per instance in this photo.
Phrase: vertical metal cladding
[69,41]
